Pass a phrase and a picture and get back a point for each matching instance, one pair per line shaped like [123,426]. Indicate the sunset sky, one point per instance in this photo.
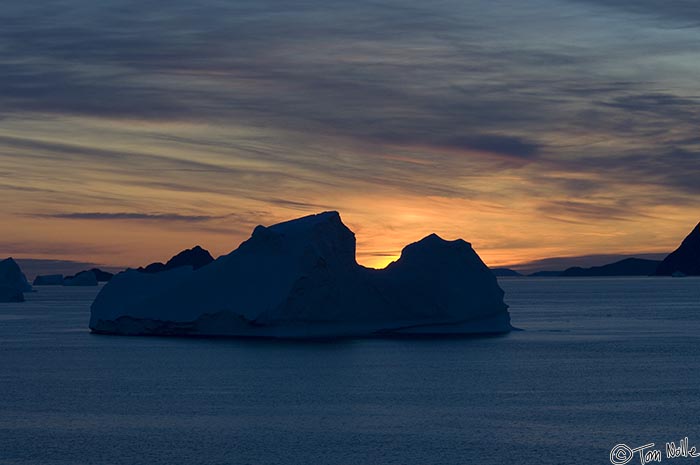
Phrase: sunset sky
[130,130]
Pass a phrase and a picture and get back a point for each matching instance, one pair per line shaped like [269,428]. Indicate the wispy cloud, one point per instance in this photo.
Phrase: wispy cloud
[497,145]
[131,216]
[581,212]
[679,12]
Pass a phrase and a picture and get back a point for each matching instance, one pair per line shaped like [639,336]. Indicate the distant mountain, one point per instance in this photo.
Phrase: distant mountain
[685,260]
[503,272]
[196,257]
[626,267]
[584,261]
[546,274]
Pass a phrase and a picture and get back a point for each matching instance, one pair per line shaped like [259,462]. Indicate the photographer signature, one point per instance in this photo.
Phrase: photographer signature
[622,454]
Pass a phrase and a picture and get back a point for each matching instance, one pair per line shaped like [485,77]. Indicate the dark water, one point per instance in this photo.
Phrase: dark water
[602,361]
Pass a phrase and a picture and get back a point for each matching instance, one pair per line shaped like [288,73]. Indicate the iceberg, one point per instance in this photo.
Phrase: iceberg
[196,257]
[49,280]
[102,276]
[13,283]
[300,279]
[84,278]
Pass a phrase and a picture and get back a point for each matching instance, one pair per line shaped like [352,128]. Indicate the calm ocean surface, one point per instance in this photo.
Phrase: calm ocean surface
[601,362]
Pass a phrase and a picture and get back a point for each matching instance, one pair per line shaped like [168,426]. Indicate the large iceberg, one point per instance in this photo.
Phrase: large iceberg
[13,283]
[300,279]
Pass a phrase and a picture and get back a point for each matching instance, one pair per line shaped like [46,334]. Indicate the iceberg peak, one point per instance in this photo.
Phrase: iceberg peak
[195,258]
[306,222]
[323,235]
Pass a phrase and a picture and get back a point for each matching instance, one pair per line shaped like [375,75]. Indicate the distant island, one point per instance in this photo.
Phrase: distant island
[684,261]
[300,279]
[626,267]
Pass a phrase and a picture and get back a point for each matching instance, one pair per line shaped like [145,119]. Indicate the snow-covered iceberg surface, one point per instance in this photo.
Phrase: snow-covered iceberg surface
[13,283]
[300,279]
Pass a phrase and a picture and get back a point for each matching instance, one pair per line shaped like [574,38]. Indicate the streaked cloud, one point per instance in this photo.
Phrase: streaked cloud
[130,216]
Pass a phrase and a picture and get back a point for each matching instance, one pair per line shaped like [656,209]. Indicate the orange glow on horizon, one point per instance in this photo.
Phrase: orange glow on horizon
[143,199]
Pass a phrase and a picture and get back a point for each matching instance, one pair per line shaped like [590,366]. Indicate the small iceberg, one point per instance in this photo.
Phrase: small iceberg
[49,280]
[196,257]
[84,278]
[13,283]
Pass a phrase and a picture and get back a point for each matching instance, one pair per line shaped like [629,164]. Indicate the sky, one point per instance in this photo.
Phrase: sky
[130,130]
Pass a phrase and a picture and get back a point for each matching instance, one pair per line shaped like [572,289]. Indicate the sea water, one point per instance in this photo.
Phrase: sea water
[599,362]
